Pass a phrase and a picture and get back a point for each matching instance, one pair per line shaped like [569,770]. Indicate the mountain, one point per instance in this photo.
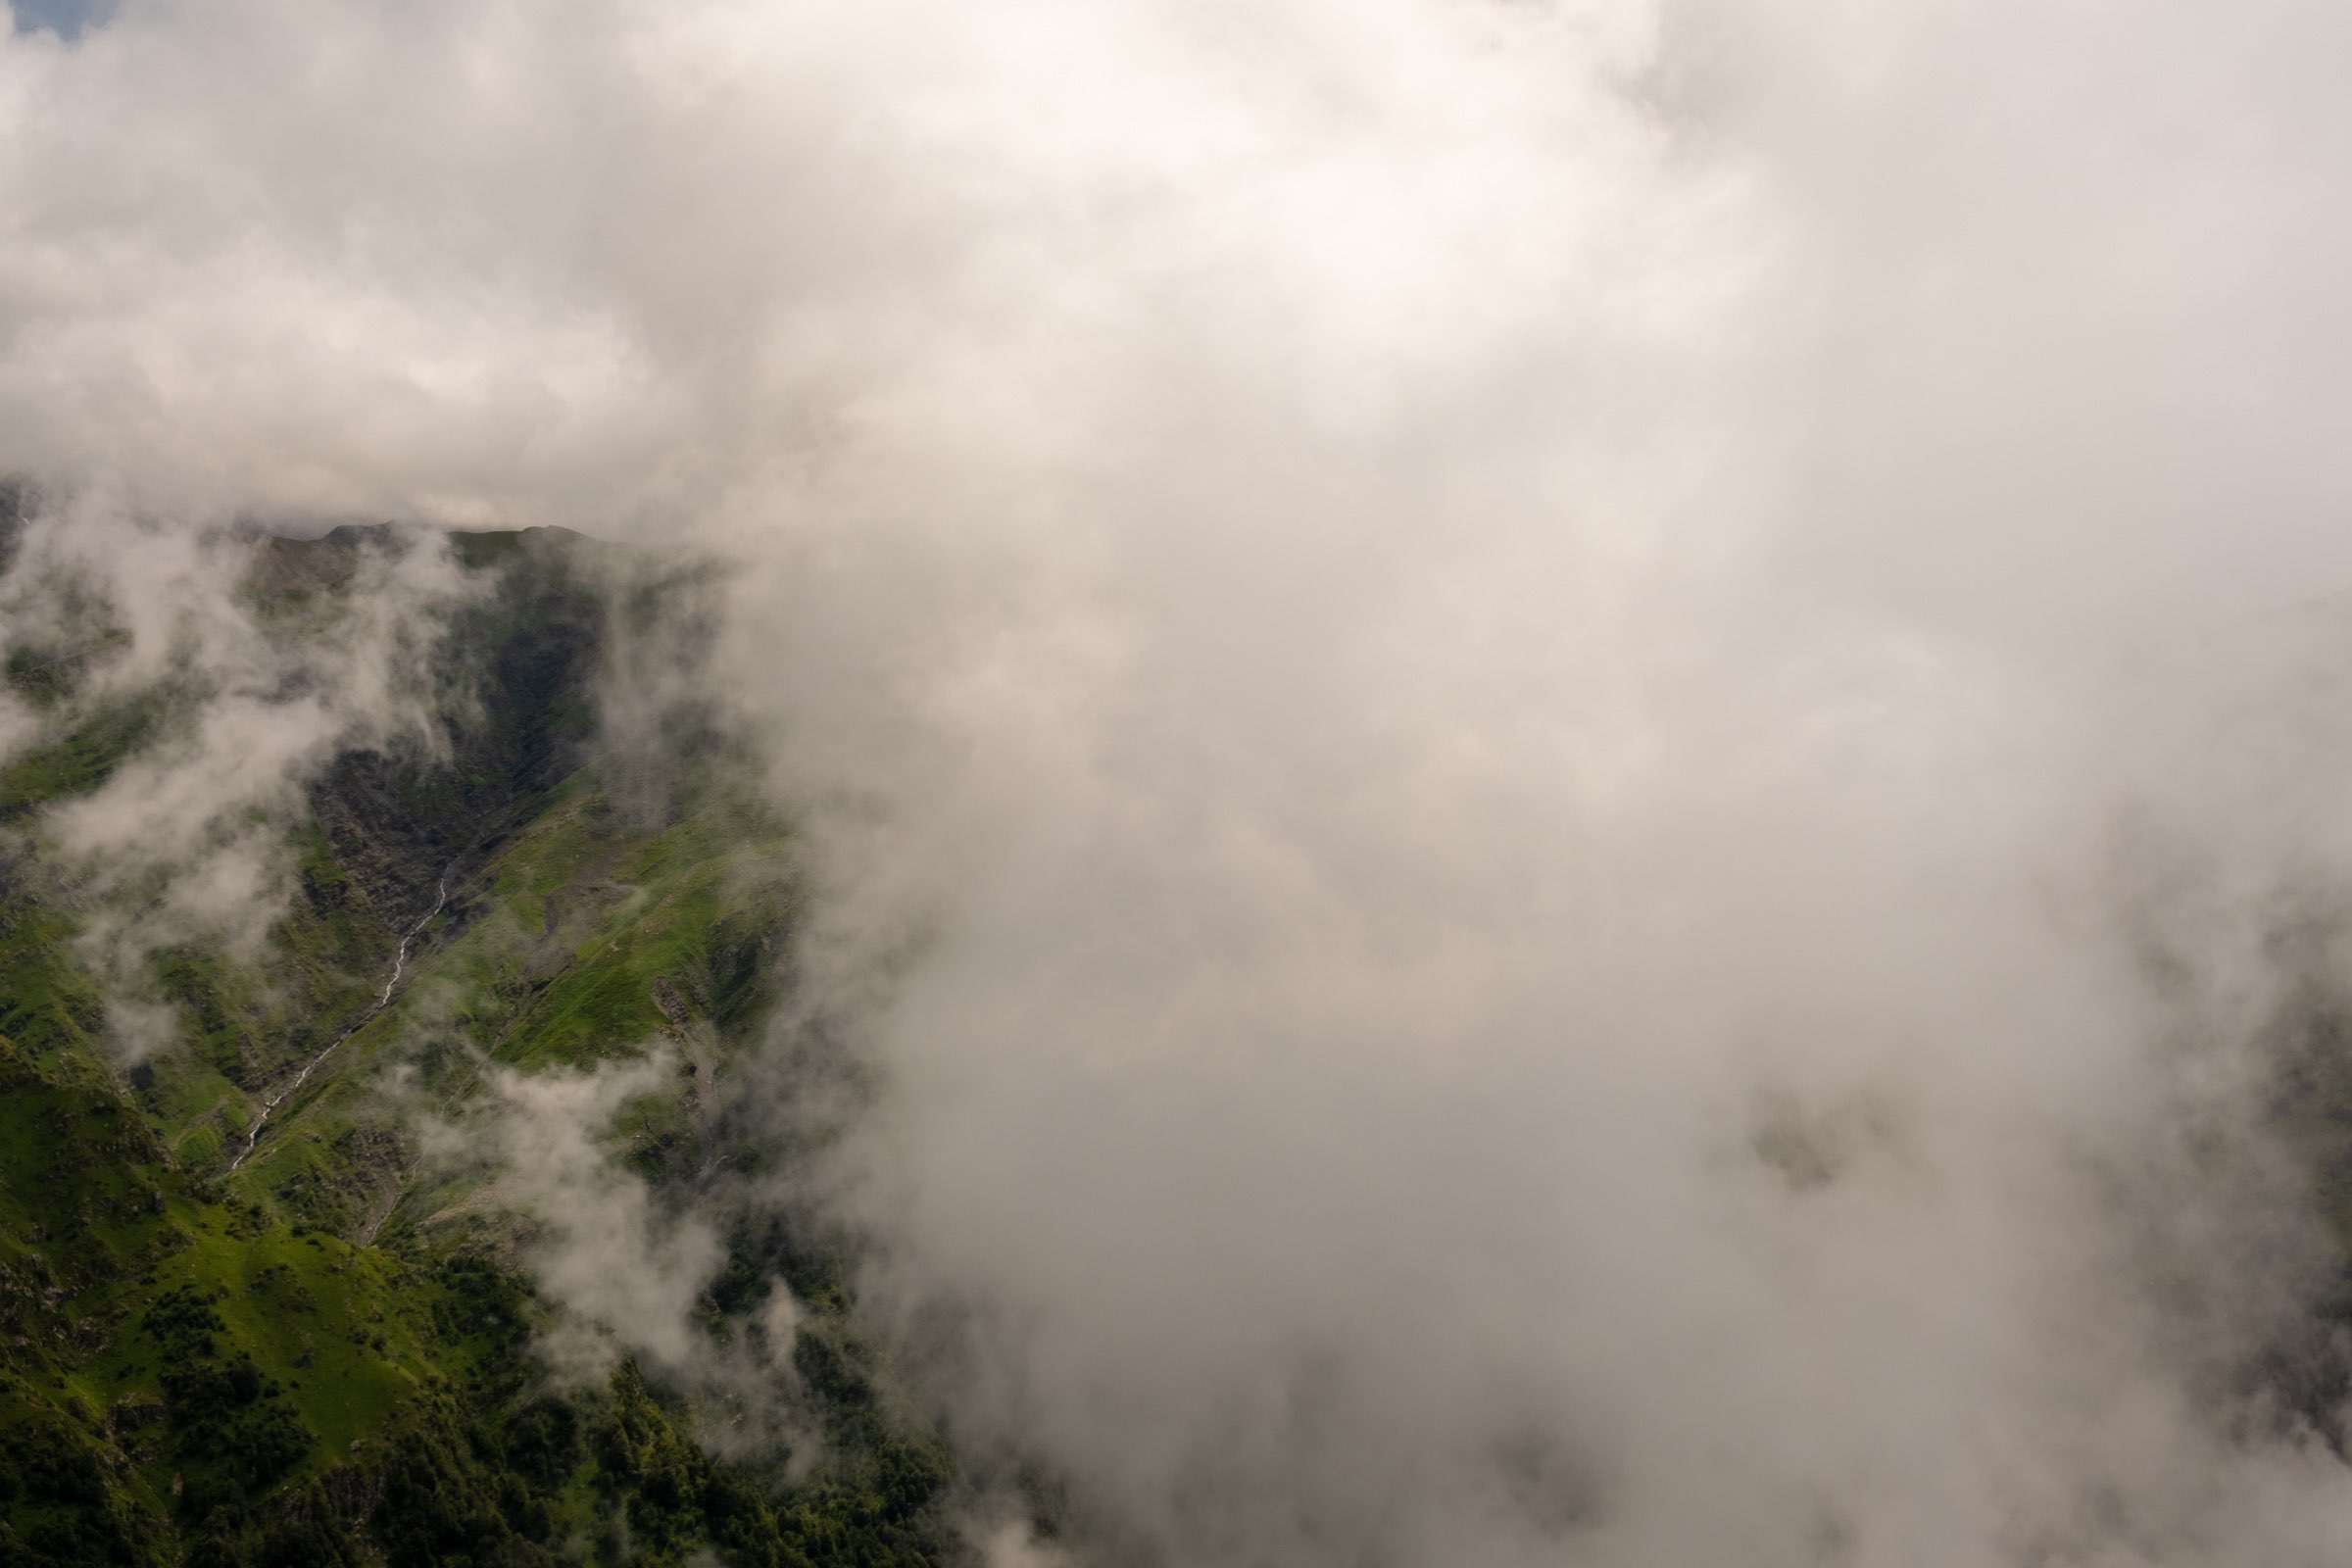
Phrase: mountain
[264,1298]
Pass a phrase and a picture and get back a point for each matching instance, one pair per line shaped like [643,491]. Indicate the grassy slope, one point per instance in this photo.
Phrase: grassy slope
[221,1370]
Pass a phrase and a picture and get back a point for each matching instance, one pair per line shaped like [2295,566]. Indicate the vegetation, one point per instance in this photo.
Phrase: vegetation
[329,1353]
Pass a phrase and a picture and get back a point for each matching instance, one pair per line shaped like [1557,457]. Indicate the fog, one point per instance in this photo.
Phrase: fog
[1565,761]
[188,839]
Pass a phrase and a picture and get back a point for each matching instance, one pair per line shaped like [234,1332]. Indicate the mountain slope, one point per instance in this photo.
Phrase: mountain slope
[329,1351]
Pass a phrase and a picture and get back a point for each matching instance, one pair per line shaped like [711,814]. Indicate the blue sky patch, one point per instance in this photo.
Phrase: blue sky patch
[66,18]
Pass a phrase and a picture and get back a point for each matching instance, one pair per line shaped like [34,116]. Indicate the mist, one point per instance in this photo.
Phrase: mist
[187,841]
[1567,764]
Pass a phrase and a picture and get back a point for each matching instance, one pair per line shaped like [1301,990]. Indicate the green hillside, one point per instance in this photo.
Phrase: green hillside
[326,1350]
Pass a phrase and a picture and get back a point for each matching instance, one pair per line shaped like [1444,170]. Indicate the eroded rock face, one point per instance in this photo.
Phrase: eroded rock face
[515,669]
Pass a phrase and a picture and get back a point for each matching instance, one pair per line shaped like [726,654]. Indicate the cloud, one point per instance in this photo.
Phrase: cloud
[626,1266]
[602,1250]
[1426,645]
[235,708]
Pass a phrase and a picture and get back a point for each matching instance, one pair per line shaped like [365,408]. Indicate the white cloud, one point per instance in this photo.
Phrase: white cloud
[602,1250]
[186,838]
[1422,607]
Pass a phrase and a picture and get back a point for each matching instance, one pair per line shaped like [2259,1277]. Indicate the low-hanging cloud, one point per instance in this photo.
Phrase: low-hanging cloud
[604,1250]
[230,714]
[626,1267]
[1552,725]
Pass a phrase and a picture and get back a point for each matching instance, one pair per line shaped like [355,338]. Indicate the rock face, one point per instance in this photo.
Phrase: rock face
[517,672]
